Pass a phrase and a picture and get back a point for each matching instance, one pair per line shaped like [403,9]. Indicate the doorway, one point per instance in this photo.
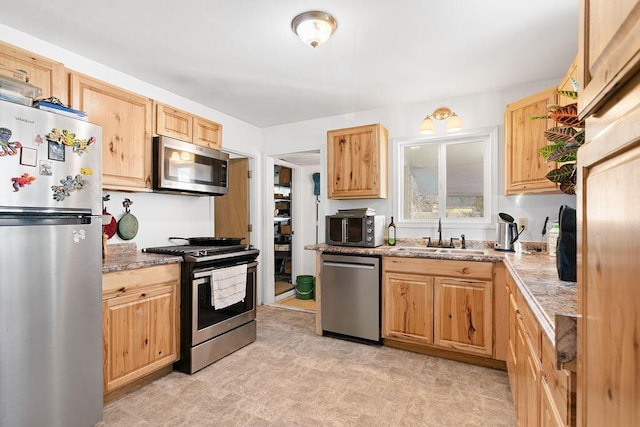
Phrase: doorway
[282,231]
[303,210]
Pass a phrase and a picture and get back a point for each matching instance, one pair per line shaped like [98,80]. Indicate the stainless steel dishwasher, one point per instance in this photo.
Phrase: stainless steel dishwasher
[350,297]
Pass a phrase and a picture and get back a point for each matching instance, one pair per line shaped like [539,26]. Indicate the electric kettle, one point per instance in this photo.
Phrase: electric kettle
[506,233]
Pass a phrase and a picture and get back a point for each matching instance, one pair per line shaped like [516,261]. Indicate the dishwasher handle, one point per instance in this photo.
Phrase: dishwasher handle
[350,265]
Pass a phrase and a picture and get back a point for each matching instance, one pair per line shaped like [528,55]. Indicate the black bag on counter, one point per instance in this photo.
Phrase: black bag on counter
[566,247]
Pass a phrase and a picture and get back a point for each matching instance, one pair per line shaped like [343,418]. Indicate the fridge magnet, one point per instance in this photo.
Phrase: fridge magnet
[64,137]
[21,181]
[6,147]
[28,156]
[81,146]
[56,151]
[46,168]
[69,184]
[37,139]
[86,171]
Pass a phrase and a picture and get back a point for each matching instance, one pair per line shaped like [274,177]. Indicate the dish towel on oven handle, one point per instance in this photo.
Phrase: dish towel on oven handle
[228,286]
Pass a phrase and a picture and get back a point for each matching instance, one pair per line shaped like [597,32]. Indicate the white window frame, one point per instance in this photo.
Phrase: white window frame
[490,178]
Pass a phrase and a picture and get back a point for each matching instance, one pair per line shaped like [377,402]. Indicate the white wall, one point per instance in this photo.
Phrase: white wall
[160,216]
[306,223]
[476,111]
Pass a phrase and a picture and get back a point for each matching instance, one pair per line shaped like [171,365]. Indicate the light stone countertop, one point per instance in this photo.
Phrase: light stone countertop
[554,302]
[125,256]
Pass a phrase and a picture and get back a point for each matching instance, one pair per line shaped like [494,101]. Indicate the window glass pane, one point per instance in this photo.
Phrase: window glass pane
[420,175]
[465,185]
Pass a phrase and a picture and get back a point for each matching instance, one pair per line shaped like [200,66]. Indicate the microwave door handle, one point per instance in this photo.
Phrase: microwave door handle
[345,224]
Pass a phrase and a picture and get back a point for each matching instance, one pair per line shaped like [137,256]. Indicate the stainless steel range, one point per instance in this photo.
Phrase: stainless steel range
[210,326]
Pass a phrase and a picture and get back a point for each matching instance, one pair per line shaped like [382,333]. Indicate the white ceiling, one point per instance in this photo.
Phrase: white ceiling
[241,58]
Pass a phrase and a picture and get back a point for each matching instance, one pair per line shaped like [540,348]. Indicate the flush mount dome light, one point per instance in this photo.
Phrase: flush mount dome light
[314,27]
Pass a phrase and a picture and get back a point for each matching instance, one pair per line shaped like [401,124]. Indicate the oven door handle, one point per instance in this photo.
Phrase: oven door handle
[201,274]
[207,273]
[201,281]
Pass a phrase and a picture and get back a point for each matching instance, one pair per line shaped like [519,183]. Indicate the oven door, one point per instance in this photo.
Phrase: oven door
[206,321]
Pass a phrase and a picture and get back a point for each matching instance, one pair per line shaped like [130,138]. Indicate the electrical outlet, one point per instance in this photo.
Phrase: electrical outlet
[523,222]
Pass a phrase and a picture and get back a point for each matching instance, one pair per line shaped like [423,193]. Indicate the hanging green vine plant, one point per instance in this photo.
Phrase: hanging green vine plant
[565,139]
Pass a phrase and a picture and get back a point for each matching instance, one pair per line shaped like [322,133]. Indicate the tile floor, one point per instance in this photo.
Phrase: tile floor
[292,377]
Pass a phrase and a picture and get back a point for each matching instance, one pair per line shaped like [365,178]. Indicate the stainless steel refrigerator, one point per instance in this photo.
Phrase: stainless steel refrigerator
[50,269]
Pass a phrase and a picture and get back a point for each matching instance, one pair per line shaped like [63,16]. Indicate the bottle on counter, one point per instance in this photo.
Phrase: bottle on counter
[392,233]
[553,238]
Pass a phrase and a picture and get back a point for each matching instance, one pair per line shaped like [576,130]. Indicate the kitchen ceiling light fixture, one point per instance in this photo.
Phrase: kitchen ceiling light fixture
[441,113]
[314,27]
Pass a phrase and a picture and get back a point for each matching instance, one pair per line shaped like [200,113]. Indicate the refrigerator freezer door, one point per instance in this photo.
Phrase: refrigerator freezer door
[51,322]
[48,161]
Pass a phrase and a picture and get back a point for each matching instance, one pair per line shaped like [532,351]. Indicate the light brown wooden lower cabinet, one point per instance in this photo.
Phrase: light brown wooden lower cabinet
[542,394]
[408,301]
[463,319]
[140,314]
[442,307]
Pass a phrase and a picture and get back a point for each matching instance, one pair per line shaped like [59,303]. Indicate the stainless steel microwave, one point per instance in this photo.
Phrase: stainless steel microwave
[182,167]
[360,230]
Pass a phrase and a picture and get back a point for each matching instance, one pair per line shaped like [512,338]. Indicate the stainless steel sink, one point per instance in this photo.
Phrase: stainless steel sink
[463,251]
[414,249]
[452,251]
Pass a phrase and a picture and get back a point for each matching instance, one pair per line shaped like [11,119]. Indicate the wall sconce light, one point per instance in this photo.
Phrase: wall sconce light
[441,113]
[314,27]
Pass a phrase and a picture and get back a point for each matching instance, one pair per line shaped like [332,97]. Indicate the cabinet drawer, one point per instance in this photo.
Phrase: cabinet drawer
[126,282]
[531,326]
[439,267]
[512,287]
[558,381]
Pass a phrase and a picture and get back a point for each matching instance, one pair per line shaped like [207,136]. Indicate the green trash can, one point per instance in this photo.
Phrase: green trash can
[305,286]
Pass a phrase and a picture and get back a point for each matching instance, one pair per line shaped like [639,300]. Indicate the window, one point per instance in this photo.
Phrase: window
[446,177]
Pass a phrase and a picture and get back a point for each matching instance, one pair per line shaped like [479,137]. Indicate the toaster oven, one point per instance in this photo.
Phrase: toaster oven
[355,230]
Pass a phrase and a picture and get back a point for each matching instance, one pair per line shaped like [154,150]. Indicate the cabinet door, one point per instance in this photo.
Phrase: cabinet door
[357,163]
[525,168]
[126,131]
[207,133]
[549,415]
[127,322]
[512,360]
[609,49]
[463,315]
[608,267]
[162,326]
[48,75]
[408,307]
[140,334]
[174,123]
[528,378]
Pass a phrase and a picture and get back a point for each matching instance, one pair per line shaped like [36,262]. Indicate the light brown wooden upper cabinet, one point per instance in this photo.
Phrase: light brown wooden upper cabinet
[187,127]
[525,168]
[357,162]
[567,84]
[609,49]
[48,75]
[125,118]
[207,133]
[174,123]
